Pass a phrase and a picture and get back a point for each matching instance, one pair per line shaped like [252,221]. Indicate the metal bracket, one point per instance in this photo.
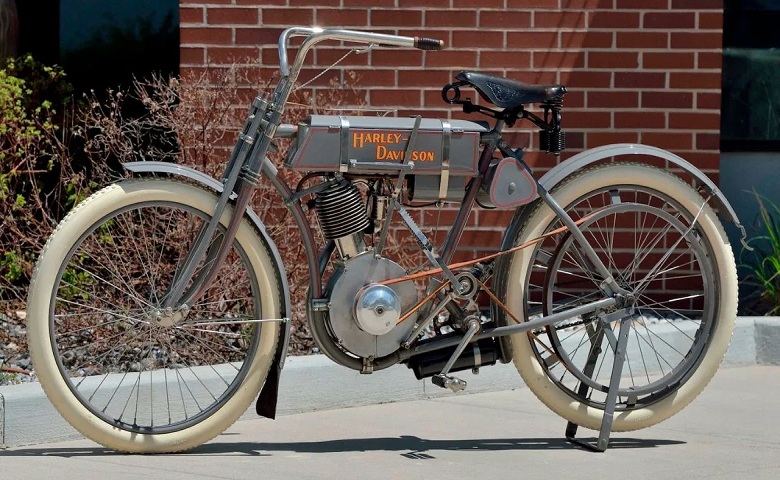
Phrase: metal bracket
[602,442]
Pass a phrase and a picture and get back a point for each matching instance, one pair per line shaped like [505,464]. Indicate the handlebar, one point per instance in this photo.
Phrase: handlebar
[316,35]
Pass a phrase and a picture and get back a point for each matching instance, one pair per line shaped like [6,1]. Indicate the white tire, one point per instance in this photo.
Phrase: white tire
[214,356]
[529,356]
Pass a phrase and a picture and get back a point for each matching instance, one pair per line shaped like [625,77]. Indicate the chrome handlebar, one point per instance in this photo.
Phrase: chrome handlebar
[316,35]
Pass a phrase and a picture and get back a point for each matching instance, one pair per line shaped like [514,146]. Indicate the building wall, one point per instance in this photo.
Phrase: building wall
[644,71]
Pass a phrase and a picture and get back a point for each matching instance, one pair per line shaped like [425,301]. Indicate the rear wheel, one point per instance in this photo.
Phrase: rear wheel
[665,246]
[119,367]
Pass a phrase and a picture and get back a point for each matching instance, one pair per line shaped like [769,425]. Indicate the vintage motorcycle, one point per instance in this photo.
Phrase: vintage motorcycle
[159,308]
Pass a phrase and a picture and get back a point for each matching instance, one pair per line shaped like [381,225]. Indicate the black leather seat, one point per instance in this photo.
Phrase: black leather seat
[506,93]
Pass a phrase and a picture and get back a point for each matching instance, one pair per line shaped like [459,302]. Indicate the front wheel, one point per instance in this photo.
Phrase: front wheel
[120,368]
[664,245]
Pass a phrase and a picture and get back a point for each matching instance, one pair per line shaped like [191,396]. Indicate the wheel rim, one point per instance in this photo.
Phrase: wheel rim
[668,338]
[120,360]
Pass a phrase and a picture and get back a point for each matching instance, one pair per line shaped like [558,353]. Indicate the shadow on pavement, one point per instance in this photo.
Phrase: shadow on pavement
[412,447]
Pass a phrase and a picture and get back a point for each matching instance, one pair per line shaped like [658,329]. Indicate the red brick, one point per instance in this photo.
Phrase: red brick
[613,99]
[453,59]
[559,20]
[223,55]
[596,4]
[640,80]
[695,80]
[423,78]
[206,35]
[668,60]
[429,3]
[707,141]
[559,60]
[694,121]
[543,76]
[308,75]
[533,39]
[516,139]
[478,3]
[575,140]
[307,3]
[697,40]
[397,58]
[475,39]
[288,16]
[640,4]
[256,2]
[519,60]
[190,55]
[711,21]
[710,60]
[668,140]
[257,36]
[589,120]
[377,77]
[706,100]
[369,3]
[392,18]
[327,56]
[667,100]
[613,60]
[504,19]
[586,79]
[642,39]
[587,39]
[200,2]
[614,19]
[450,18]
[532,4]
[393,97]
[669,20]
[432,98]
[231,16]
[597,139]
[576,97]
[698,4]
[481,238]
[342,17]
[640,120]
[191,15]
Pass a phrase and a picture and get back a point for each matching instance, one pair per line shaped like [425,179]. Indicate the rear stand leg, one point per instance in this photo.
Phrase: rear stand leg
[614,384]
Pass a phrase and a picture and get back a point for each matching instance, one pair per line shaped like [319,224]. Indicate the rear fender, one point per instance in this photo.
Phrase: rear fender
[582,160]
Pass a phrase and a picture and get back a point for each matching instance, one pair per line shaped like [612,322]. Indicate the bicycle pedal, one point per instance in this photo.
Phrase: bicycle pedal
[445,381]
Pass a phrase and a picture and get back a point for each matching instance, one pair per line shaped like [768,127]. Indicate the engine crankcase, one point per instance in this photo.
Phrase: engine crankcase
[351,282]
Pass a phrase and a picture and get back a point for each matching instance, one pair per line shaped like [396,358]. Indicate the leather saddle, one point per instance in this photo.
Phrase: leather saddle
[506,93]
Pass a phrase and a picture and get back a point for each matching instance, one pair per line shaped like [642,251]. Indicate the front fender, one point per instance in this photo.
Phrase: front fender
[213,184]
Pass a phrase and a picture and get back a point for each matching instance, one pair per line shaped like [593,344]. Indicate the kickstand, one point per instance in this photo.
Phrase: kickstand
[614,384]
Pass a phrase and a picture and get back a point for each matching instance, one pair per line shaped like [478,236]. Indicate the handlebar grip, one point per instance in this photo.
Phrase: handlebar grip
[428,43]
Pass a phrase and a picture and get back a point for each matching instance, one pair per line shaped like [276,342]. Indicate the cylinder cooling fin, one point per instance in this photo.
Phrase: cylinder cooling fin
[341,210]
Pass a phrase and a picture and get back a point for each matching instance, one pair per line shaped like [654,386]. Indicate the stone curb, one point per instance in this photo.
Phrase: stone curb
[315,383]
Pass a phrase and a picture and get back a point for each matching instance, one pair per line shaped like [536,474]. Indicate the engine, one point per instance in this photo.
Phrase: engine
[363,315]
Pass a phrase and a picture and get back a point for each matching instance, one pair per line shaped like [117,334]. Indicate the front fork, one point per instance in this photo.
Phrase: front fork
[240,178]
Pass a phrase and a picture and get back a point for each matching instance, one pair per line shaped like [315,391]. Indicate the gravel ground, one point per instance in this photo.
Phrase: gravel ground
[15,364]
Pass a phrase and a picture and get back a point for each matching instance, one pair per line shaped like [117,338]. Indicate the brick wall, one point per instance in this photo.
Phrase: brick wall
[637,70]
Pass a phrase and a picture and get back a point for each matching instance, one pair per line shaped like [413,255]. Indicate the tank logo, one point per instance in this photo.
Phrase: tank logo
[382,143]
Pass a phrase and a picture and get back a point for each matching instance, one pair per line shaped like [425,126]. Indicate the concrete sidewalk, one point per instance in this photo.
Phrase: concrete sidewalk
[315,383]
[730,431]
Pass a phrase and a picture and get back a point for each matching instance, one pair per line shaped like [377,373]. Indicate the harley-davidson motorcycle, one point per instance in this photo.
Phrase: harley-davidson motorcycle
[160,310]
